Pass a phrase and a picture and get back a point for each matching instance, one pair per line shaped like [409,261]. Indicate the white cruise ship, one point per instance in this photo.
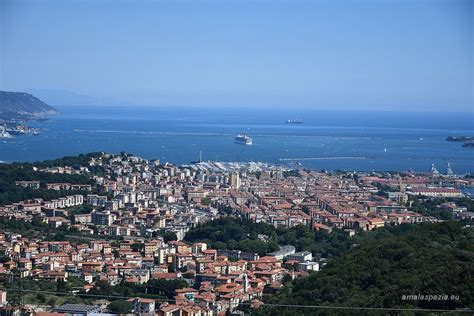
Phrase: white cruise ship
[243,139]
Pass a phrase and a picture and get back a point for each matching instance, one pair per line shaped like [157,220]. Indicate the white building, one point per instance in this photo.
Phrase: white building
[308,266]
[301,256]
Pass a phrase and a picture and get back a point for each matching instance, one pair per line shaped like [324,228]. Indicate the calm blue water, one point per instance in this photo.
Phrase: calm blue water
[327,139]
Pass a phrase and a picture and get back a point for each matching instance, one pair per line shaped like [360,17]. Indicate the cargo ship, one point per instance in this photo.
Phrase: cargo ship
[243,139]
[294,122]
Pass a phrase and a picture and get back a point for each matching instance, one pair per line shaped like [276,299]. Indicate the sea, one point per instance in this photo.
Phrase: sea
[329,140]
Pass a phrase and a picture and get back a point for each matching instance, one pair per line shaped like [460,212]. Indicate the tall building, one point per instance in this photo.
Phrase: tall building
[234,180]
[3,298]
[246,283]
[102,218]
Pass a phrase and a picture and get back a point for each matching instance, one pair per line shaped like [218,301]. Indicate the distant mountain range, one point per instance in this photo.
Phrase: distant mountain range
[64,97]
[22,106]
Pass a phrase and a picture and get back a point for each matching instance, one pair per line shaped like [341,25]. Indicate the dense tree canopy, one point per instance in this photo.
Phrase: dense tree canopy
[167,235]
[121,307]
[429,259]
[431,206]
[232,233]
[9,173]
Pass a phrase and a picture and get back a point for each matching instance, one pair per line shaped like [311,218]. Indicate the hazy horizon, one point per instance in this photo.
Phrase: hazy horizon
[338,55]
[321,108]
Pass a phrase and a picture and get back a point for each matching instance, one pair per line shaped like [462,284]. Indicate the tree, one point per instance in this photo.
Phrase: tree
[219,245]
[41,297]
[305,209]
[291,173]
[167,235]
[170,236]
[137,247]
[121,307]
[165,287]
[383,194]
[287,278]
[206,201]
[52,302]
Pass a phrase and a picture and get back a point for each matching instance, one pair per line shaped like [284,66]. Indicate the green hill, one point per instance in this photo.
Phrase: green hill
[22,105]
[432,259]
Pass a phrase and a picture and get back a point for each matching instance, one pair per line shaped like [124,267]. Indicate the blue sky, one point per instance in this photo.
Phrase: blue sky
[386,55]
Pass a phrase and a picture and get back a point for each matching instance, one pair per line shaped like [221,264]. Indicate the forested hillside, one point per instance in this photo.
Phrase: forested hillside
[431,259]
[18,104]
[9,173]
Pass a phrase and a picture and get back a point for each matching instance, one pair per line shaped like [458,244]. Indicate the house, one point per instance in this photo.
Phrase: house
[143,305]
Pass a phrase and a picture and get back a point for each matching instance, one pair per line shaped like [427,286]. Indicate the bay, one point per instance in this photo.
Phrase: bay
[363,141]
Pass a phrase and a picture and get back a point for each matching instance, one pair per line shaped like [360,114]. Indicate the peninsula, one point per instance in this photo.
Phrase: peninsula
[16,108]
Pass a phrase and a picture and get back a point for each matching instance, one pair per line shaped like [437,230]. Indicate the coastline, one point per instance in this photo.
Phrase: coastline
[320,143]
